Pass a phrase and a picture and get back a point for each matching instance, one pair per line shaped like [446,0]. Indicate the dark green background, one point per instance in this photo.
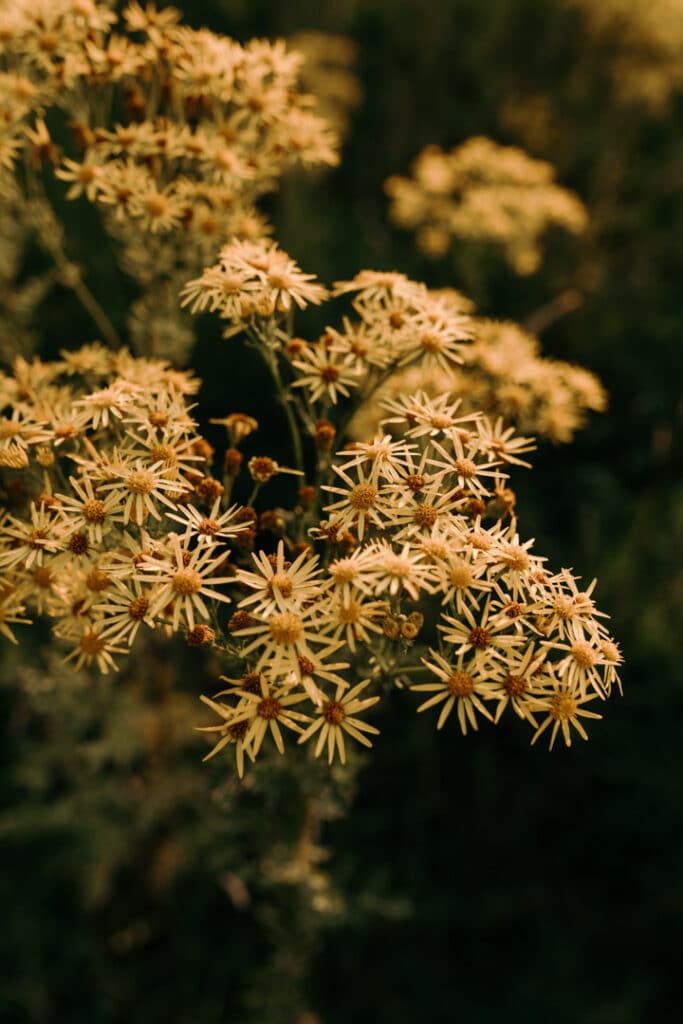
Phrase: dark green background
[483,880]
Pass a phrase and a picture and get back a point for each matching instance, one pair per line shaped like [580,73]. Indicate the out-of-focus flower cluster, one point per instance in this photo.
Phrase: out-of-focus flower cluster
[648,41]
[483,191]
[502,373]
[327,72]
[172,133]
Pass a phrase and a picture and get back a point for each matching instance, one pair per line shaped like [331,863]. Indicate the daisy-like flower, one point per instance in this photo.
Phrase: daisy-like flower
[20,430]
[425,416]
[173,450]
[91,645]
[563,706]
[183,579]
[352,573]
[463,465]
[460,684]
[86,511]
[436,342]
[208,529]
[268,710]
[281,638]
[419,515]
[518,682]
[32,540]
[339,716]
[485,638]
[82,178]
[362,503]
[11,613]
[461,580]
[354,618]
[326,373]
[502,443]
[261,280]
[563,605]
[138,489]
[613,658]
[384,457]
[229,731]
[512,560]
[398,571]
[105,406]
[279,584]
[583,665]
[127,607]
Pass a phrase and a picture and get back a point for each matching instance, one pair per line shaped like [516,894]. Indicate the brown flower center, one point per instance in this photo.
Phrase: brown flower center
[425,515]
[93,511]
[460,684]
[333,712]
[514,686]
[138,608]
[480,638]
[269,708]
[91,642]
[362,497]
[465,468]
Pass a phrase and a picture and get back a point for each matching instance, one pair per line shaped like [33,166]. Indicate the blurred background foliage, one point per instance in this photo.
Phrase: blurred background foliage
[472,877]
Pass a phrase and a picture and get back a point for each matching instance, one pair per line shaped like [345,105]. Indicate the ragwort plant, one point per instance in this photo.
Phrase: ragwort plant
[400,563]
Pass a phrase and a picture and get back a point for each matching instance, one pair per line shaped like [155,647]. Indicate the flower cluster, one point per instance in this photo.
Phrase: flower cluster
[480,190]
[402,562]
[503,374]
[174,133]
[100,460]
[648,42]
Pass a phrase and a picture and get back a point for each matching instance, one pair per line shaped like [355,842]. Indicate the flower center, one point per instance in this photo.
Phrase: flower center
[93,511]
[460,575]
[333,712]
[349,613]
[562,707]
[138,608]
[186,582]
[97,581]
[208,527]
[79,544]
[465,468]
[269,708]
[36,539]
[514,686]
[583,654]
[141,481]
[165,454]
[516,557]
[363,497]
[480,638]
[91,642]
[460,684]
[425,515]
[281,582]
[344,571]
[415,482]
[286,627]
